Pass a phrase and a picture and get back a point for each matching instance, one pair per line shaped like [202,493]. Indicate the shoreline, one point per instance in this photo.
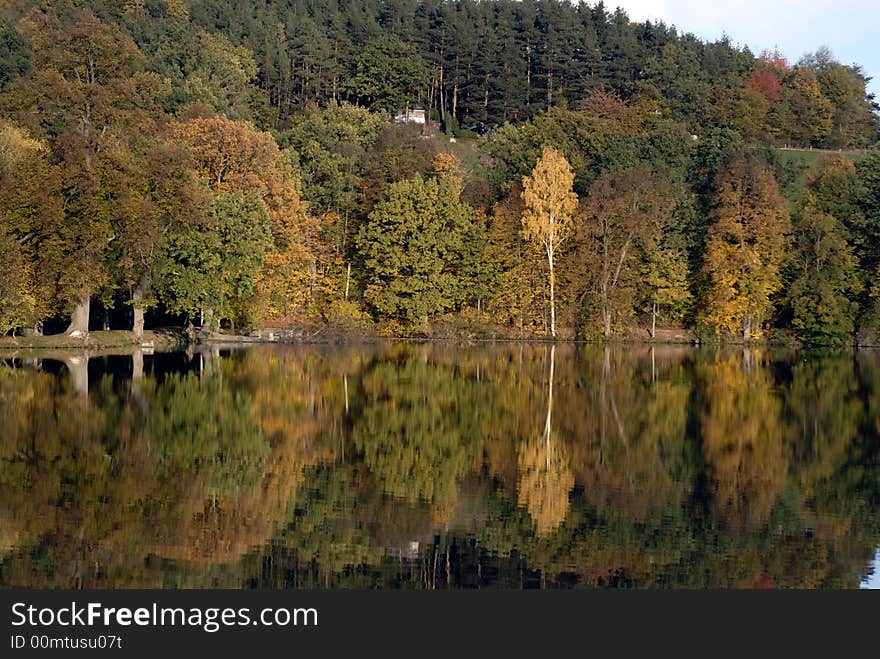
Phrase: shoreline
[160,339]
[171,339]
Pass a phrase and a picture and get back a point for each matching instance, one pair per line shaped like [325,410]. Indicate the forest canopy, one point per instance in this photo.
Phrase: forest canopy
[252,165]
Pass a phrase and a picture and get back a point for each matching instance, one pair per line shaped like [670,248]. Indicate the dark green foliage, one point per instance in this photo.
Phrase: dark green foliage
[825,283]
[387,75]
[15,56]
[485,63]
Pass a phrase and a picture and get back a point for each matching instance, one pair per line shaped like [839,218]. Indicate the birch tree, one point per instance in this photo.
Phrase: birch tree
[550,203]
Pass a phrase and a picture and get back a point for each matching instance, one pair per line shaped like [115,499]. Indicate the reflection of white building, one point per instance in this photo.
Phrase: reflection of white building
[411,116]
[410,551]
[872,580]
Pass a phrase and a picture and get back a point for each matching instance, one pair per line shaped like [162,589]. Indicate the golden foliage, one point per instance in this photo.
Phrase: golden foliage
[745,248]
[545,481]
[549,200]
[744,443]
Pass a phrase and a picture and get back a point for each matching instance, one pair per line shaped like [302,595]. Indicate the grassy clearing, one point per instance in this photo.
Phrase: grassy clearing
[96,340]
[801,161]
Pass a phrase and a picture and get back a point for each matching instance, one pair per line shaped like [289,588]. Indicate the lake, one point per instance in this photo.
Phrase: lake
[433,466]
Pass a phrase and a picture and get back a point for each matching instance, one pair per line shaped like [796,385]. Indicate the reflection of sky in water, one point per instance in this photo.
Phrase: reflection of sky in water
[873,580]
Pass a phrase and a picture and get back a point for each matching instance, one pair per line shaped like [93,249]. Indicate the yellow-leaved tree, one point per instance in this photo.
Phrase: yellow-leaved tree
[550,203]
[745,248]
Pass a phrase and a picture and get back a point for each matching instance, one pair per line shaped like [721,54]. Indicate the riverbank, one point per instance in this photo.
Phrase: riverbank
[161,339]
[172,338]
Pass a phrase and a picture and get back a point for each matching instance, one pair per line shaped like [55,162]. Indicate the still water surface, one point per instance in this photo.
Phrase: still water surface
[431,466]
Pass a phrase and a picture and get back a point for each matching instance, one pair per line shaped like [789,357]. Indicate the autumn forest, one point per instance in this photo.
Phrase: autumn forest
[244,166]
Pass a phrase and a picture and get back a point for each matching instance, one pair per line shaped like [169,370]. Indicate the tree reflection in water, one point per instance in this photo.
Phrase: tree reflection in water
[434,466]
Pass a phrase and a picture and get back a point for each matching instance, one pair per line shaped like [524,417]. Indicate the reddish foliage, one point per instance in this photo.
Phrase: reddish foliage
[610,107]
[766,82]
[770,68]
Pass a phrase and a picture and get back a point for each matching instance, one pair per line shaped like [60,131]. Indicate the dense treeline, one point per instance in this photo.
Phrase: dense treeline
[237,165]
[473,64]
[430,467]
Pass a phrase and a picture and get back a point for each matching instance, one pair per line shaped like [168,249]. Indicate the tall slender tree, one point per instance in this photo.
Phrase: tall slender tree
[550,204]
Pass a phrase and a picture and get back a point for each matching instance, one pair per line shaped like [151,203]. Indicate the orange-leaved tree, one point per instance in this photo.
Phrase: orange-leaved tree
[233,157]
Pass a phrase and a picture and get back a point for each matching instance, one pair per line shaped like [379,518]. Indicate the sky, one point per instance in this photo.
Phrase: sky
[794,27]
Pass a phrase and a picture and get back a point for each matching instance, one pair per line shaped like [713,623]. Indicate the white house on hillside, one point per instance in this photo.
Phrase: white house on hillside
[411,116]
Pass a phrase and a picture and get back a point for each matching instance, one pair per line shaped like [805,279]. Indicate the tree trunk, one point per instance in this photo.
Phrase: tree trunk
[654,321]
[137,324]
[552,295]
[79,319]
[747,329]
[137,297]
[208,322]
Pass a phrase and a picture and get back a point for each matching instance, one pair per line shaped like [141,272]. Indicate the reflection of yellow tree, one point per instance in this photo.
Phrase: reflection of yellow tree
[545,477]
[545,480]
[743,439]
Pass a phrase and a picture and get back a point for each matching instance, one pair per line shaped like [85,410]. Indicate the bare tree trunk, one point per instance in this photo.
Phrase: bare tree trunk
[208,322]
[747,329]
[654,321]
[137,296]
[552,295]
[79,319]
[137,324]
